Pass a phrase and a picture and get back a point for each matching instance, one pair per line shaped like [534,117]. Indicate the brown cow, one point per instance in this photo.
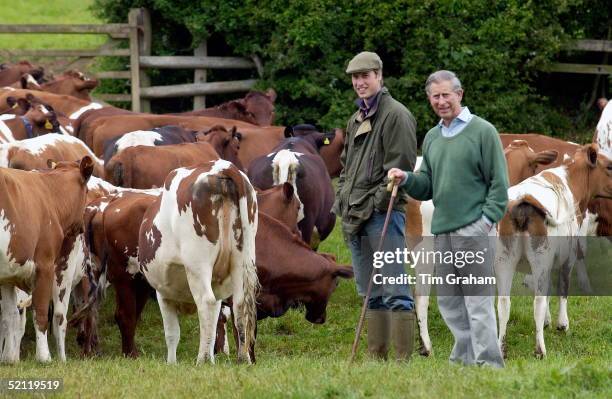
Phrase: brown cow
[538,142]
[72,83]
[256,108]
[10,74]
[36,250]
[147,167]
[33,153]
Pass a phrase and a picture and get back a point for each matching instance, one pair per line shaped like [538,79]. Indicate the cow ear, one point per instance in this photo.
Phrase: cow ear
[287,191]
[51,164]
[24,81]
[546,157]
[11,102]
[271,94]
[289,132]
[24,104]
[86,167]
[591,155]
[344,272]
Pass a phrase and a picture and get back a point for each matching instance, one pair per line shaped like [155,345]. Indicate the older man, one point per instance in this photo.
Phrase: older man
[464,172]
[379,136]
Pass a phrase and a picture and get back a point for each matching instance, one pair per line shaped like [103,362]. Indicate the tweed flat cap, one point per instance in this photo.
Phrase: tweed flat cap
[364,61]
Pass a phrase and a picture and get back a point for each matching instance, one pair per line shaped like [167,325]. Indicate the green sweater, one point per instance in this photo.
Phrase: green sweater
[465,175]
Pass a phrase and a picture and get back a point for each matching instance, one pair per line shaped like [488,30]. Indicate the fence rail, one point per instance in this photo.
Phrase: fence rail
[138,33]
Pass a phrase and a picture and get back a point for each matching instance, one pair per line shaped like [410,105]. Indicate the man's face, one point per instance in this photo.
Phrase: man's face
[445,102]
[366,84]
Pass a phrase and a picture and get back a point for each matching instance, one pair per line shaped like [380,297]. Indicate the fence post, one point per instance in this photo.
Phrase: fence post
[134,59]
[199,75]
[145,44]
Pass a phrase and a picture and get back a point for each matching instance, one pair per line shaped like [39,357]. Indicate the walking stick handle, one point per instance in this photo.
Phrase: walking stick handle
[392,186]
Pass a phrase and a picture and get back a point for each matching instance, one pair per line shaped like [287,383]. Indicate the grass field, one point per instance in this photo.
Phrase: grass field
[48,12]
[301,360]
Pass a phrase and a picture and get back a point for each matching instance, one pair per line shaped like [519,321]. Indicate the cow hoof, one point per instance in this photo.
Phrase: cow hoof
[539,354]
[423,351]
[563,328]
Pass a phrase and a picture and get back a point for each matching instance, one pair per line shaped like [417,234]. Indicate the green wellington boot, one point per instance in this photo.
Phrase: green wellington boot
[403,326]
[379,332]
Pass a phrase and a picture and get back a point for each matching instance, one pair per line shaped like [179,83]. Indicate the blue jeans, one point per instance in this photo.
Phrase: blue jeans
[362,246]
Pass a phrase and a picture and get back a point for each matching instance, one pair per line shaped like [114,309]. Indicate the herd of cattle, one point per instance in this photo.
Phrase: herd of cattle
[218,209]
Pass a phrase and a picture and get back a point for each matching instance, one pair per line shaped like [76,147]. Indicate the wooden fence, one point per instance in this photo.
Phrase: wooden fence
[138,32]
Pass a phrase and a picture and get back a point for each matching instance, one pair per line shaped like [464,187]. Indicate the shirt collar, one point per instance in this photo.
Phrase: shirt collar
[463,116]
[370,109]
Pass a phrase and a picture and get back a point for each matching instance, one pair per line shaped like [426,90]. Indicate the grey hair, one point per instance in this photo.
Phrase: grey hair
[441,76]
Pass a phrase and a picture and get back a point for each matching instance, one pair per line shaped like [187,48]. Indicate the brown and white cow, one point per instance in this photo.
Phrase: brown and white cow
[197,246]
[113,222]
[72,83]
[41,214]
[33,153]
[522,162]
[545,215]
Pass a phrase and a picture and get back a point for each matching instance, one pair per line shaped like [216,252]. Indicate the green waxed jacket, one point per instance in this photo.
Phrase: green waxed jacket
[383,139]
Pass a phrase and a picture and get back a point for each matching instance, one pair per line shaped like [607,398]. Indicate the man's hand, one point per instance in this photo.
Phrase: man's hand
[396,174]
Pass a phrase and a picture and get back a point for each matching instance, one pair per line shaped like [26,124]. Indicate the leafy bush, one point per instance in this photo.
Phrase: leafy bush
[495,47]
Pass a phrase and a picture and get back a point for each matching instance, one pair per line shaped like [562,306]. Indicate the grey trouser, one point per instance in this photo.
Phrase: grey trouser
[468,309]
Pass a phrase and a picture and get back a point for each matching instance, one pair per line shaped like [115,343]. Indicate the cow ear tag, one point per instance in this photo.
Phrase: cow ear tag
[326,141]
[51,164]
[15,105]
[48,125]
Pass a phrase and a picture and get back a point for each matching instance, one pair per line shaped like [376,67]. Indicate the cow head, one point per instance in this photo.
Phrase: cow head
[522,161]
[261,106]
[600,171]
[28,82]
[226,143]
[19,106]
[43,118]
[316,306]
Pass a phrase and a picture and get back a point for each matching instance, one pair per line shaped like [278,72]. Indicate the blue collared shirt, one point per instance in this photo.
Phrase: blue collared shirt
[457,124]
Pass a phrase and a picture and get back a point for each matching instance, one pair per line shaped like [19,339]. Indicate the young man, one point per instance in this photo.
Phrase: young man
[464,172]
[379,136]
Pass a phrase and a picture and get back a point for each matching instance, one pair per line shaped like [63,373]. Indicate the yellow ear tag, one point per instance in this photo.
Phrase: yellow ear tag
[52,164]
[48,125]
[15,105]
[326,141]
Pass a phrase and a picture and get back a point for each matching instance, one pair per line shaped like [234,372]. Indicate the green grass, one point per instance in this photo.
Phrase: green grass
[301,360]
[48,12]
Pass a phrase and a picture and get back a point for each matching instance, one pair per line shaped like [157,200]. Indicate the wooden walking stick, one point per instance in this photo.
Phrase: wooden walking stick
[392,186]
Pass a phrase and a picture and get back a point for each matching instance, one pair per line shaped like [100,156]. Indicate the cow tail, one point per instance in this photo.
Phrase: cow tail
[250,282]
[523,214]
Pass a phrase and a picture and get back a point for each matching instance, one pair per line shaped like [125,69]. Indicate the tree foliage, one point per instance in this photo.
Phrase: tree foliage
[495,47]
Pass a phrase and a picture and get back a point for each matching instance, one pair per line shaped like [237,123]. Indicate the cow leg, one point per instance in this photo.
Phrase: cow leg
[10,325]
[541,264]
[508,254]
[422,305]
[172,329]
[41,297]
[563,320]
[125,316]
